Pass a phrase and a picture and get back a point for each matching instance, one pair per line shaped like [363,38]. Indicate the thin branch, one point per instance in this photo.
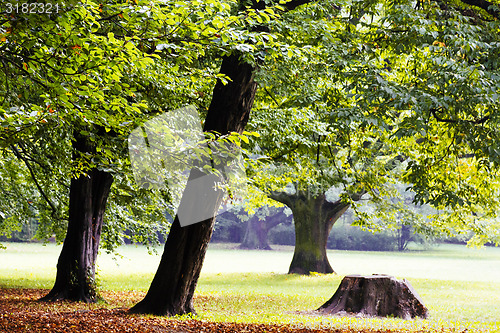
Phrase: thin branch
[455,121]
[486,5]
[317,152]
[272,97]
[33,176]
[42,165]
[278,157]
[109,17]
[25,72]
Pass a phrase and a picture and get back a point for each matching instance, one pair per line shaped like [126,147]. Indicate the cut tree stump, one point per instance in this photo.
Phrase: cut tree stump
[375,295]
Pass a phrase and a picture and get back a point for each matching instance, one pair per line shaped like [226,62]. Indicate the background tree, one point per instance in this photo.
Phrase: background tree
[260,223]
[341,121]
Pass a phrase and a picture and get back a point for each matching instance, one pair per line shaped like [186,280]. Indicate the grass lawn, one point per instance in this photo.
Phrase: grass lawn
[460,286]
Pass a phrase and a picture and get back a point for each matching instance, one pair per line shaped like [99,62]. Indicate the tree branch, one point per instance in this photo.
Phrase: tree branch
[291,5]
[484,5]
[455,121]
[33,176]
[335,209]
[284,198]
[274,220]
[109,17]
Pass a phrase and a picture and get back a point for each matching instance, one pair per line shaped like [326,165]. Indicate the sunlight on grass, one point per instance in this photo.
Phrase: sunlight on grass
[279,298]
[461,287]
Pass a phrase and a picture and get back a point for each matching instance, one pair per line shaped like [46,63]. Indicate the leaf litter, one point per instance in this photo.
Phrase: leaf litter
[20,312]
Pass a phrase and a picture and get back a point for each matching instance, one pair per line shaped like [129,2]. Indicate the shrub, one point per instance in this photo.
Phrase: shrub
[283,234]
[347,237]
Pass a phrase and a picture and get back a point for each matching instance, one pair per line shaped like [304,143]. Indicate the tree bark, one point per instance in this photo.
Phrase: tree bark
[75,278]
[404,236]
[255,235]
[173,286]
[375,295]
[314,218]
[257,231]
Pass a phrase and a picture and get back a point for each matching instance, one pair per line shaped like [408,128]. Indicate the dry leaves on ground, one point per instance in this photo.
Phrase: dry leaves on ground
[19,312]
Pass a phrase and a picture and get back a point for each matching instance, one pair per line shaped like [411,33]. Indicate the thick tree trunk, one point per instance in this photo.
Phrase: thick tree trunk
[75,279]
[173,286]
[375,295]
[314,218]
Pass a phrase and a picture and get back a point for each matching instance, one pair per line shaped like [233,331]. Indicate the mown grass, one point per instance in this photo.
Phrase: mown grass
[460,286]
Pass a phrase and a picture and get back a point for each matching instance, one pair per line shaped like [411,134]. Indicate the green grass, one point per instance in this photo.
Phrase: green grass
[460,286]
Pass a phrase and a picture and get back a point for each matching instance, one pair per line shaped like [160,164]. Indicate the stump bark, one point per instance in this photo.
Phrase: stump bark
[375,295]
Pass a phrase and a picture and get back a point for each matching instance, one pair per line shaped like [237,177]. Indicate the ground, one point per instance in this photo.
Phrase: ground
[20,312]
[242,290]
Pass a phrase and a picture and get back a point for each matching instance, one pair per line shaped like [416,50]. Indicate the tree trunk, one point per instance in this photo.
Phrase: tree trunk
[375,295]
[404,236]
[255,235]
[75,279]
[172,289]
[314,218]
[257,231]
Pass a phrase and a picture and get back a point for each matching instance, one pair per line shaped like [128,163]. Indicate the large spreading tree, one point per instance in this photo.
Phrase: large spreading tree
[383,93]
[353,93]
[77,81]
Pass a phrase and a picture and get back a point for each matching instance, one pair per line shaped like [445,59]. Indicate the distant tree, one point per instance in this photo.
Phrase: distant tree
[229,226]
[260,223]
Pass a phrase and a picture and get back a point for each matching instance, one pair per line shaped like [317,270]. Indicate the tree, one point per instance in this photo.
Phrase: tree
[171,291]
[88,195]
[97,65]
[259,224]
[339,120]
[314,218]
[80,76]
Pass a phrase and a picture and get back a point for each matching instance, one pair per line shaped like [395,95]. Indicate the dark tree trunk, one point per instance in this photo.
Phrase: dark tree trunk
[404,236]
[375,295]
[257,231]
[75,279]
[314,218]
[172,289]
[255,235]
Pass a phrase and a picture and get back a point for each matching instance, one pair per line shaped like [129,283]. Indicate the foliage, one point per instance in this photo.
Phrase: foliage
[349,89]
[229,227]
[98,70]
[381,93]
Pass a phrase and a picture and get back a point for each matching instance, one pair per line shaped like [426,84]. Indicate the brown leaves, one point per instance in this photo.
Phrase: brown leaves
[20,312]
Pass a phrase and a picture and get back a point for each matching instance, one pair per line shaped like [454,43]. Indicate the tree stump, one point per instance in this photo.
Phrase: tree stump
[375,295]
